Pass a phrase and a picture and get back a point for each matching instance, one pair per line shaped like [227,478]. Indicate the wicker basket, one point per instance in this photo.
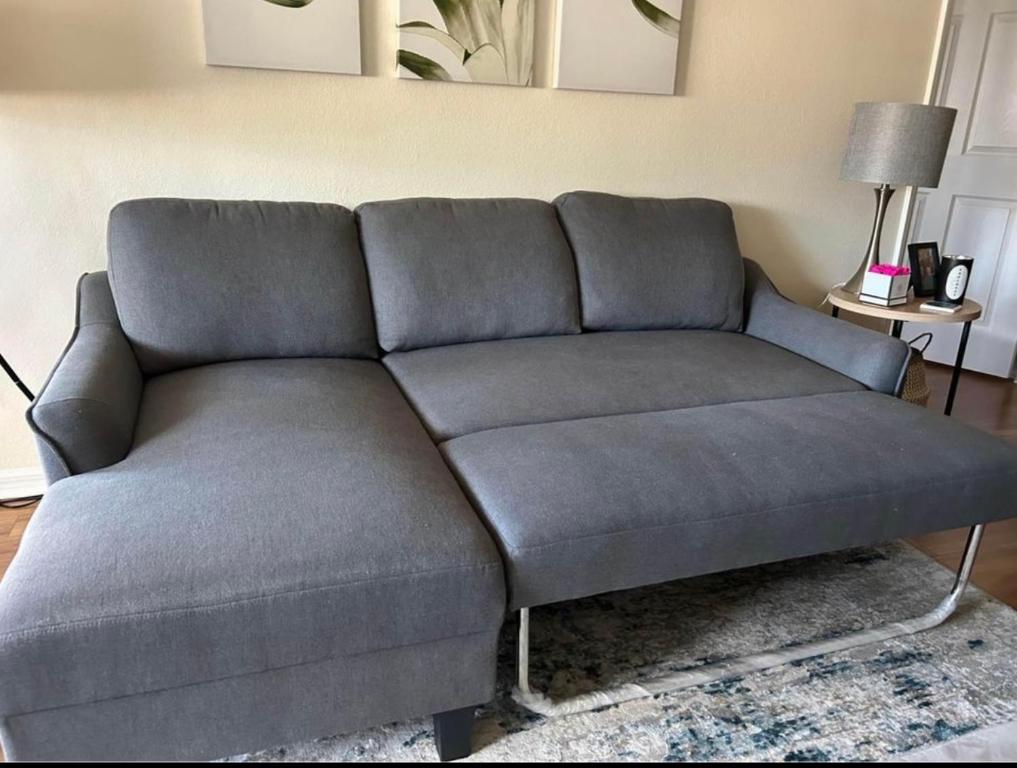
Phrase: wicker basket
[916,388]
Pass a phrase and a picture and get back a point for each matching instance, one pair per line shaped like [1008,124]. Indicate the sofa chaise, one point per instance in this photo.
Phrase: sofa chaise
[303,462]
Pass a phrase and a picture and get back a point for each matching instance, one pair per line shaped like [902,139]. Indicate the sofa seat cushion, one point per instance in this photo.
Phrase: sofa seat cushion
[271,514]
[589,506]
[472,387]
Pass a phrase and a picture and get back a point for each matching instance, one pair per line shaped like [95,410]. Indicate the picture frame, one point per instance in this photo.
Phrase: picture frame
[299,35]
[624,47]
[924,258]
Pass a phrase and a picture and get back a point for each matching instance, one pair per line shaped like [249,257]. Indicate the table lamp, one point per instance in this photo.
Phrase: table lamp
[894,144]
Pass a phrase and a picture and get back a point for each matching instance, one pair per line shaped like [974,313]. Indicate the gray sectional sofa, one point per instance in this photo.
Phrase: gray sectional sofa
[303,461]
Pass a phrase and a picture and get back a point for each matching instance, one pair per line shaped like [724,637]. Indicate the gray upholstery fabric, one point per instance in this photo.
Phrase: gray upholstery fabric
[84,416]
[449,271]
[876,360]
[266,709]
[53,465]
[204,281]
[651,263]
[271,513]
[589,506]
[471,387]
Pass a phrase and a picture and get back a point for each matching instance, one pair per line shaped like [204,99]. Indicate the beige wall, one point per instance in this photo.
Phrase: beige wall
[102,100]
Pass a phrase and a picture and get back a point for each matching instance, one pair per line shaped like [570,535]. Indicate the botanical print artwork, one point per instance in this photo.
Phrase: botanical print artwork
[618,45]
[467,41]
[310,35]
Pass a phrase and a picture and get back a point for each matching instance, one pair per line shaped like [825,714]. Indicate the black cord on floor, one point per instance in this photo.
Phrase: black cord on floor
[20,503]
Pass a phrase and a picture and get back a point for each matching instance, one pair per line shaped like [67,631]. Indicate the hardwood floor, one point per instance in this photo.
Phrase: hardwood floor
[982,401]
[12,525]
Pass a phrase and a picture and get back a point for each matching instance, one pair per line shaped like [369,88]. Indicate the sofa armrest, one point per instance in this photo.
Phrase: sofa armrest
[84,416]
[873,359]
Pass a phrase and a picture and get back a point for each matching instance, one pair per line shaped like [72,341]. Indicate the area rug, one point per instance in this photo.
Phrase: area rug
[890,700]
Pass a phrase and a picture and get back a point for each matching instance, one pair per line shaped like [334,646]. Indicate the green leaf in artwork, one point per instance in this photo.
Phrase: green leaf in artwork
[473,23]
[517,23]
[429,30]
[422,67]
[485,65]
[493,39]
[663,21]
[291,3]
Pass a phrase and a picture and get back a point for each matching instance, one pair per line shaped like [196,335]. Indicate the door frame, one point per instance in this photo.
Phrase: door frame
[937,65]
[940,65]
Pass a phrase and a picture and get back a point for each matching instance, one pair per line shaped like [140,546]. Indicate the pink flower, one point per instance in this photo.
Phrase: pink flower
[889,269]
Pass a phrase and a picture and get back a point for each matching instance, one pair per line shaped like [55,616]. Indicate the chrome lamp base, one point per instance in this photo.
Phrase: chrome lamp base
[883,194]
[709,673]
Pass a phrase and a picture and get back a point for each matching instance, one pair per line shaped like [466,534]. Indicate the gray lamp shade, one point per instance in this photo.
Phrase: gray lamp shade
[898,144]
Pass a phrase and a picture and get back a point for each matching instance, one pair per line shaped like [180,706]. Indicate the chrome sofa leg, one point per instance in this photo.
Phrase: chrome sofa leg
[709,673]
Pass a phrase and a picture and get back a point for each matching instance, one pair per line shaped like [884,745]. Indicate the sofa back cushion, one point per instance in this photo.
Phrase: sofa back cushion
[646,263]
[450,271]
[204,281]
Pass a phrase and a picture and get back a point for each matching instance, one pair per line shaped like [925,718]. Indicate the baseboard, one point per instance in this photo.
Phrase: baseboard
[18,483]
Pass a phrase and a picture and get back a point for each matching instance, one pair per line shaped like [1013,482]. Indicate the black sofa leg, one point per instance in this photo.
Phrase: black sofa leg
[453,733]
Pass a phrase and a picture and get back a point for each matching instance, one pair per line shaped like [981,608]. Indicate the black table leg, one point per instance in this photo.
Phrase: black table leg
[957,367]
[896,328]
[836,312]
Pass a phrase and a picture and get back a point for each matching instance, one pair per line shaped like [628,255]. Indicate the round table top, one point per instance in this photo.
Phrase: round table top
[910,312]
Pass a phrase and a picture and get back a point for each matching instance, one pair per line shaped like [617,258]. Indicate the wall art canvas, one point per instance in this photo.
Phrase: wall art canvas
[467,41]
[309,35]
[618,45]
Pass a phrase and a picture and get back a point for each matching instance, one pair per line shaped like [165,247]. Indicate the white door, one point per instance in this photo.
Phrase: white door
[974,209]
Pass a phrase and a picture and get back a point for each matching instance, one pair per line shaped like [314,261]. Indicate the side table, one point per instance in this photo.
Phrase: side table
[910,312]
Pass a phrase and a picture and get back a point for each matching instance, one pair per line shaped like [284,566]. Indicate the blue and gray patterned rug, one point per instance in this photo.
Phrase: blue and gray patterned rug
[878,702]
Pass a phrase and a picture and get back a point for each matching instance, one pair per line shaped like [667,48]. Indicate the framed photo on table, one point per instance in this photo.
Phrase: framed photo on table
[924,258]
